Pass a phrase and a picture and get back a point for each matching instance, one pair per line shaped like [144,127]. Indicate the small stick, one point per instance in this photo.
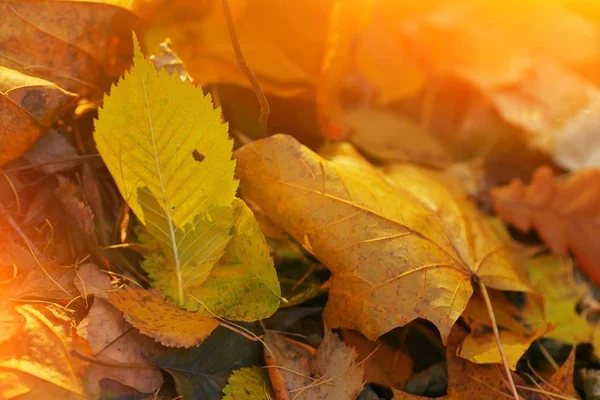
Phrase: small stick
[260,95]
[65,160]
[488,304]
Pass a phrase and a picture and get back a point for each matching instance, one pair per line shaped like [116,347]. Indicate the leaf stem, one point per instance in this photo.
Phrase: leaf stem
[488,304]
[239,55]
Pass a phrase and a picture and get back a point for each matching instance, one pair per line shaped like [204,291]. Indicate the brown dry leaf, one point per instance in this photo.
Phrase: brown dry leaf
[39,363]
[79,45]
[112,340]
[51,147]
[565,212]
[399,248]
[388,137]
[92,281]
[335,367]
[385,365]
[520,319]
[77,212]
[28,106]
[285,56]
[153,316]
[39,277]
[562,380]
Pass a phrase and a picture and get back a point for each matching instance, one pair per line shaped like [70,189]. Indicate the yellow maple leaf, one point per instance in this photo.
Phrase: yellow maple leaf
[399,247]
[149,133]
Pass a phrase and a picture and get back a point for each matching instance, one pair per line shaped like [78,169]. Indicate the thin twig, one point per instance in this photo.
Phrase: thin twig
[260,95]
[65,160]
[35,251]
[488,304]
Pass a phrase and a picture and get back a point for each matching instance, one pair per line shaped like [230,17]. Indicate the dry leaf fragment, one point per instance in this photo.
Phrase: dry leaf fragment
[565,213]
[53,146]
[153,316]
[28,106]
[38,363]
[79,45]
[39,277]
[339,376]
[399,248]
[248,384]
[519,325]
[553,277]
[388,138]
[114,341]
[385,365]
[468,380]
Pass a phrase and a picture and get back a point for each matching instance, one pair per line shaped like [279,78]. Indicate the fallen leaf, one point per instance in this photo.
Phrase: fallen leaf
[39,277]
[243,285]
[467,379]
[10,321]
[91,280]
[248,384]
[51,147]
[480,381]
[520,322]
[385,365]
[389,138]
[284,55]
[552,276]
[399,247]
[564,212]
[78,45]
[562,380]
[153,316]
[185,204]
[334,365]
[76,211]
[114,341]
[38,363]
[200,373]
[29,106]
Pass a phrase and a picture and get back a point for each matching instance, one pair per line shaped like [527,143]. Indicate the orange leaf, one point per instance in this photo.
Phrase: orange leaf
[385,365]
[153,316]
[565,213]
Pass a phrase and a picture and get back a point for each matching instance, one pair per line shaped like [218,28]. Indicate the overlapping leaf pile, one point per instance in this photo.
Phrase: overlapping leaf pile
[419,220]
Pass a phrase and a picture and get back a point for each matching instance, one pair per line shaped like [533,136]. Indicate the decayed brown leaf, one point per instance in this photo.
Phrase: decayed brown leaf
[37,277]
[284,55]
[153,316]
[565,212]
[79,45]
[38,363]
[335,367]
[28,106]
[399,247]
[113,341]
[385,365]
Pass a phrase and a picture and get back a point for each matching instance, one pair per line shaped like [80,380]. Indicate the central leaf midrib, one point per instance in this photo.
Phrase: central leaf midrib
[164,196]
